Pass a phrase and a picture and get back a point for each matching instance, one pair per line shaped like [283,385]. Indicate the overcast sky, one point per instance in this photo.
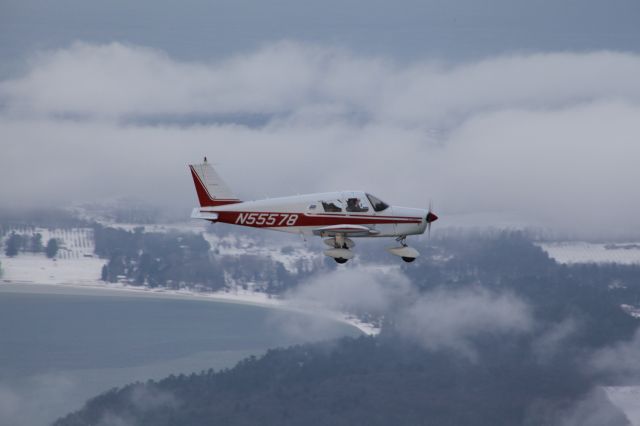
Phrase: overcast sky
[524,109]
[404,29]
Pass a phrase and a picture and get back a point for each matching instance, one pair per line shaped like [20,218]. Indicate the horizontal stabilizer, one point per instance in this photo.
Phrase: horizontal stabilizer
[198,214]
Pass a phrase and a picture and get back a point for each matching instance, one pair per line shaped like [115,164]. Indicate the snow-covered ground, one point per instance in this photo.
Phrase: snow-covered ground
[74,243]
[631,310]
[583,252]
[627,398]
[191,226]
[292,255]
[36,268]
[75,261]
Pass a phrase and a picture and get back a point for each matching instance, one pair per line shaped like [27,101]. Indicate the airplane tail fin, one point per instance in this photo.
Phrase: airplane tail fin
[211,189]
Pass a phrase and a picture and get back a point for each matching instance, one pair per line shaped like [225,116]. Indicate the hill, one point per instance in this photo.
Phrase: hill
[491,331]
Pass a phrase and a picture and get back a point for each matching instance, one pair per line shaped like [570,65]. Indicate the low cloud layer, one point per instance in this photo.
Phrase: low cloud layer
[549,138]
[594,409]
[36,400]
[619,361]
[367,290]
[441,319]
[450,319]
[140,400]
[550,342]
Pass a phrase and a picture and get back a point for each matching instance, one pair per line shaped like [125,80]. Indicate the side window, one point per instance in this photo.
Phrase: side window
[332,206]
[356,205]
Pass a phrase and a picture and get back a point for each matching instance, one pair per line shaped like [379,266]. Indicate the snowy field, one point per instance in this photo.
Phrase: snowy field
[75,243]
[36,268]
[191,226]
[583,252]
[293,256]
[75,261]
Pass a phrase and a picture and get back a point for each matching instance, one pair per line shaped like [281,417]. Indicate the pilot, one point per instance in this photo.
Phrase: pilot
[354,205]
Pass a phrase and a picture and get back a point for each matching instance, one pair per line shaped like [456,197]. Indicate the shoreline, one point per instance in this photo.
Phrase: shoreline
[242,297]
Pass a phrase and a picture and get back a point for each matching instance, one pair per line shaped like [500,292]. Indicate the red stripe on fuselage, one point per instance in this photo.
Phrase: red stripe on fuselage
[418,218]
[282,219]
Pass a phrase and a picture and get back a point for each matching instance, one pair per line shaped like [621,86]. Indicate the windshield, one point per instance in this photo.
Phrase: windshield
[378,204]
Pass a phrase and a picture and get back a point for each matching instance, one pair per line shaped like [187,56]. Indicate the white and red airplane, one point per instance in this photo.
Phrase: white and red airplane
[335,216]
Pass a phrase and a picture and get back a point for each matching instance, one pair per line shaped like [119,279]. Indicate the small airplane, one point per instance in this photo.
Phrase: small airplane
[335,216]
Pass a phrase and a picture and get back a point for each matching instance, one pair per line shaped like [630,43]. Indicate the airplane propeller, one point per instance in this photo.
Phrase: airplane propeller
[430,218]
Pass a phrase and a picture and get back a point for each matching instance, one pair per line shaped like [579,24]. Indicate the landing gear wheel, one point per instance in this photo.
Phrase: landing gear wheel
[340,259]
[408,259]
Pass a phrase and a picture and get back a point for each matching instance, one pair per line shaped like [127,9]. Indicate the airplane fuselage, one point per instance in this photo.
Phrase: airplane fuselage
[304,214]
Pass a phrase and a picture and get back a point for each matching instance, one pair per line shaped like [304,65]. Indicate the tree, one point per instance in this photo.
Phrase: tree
[52,248]
[36,243]
[14,243]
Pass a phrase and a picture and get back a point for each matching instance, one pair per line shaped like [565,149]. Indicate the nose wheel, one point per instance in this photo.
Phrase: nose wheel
[340,260]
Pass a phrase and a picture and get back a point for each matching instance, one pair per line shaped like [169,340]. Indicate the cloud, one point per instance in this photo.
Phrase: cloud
[440,319]
[119,80]
[140,400]
[548,138]
[36,399]
[594,409]
[591,409]
[449,319]
[115,80]
[366,290]
[548,344]
[619,361]
[145,398]
[112,419]
[307,327]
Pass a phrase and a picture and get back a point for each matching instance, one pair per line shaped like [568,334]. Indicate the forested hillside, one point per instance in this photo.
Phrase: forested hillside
[493,332]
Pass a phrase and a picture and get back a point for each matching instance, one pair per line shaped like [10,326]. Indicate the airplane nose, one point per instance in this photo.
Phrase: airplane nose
[431,217]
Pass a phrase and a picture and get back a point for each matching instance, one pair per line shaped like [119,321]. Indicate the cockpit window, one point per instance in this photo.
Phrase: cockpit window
[356,205]
[378,205]
[333,206]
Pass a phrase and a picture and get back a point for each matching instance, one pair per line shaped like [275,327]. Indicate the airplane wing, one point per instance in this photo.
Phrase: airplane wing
[347,230]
